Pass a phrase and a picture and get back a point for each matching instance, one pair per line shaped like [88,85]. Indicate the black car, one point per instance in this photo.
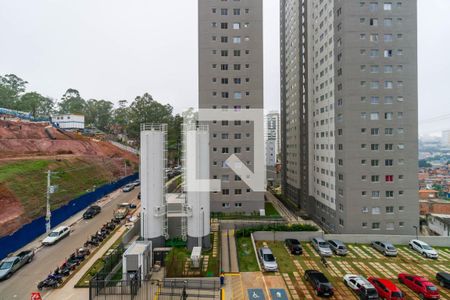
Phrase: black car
[320,283]
[369,293]
[294,246]
[91,212]
[443,278]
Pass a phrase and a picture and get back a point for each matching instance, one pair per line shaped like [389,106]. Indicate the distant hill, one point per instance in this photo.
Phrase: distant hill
[28,150]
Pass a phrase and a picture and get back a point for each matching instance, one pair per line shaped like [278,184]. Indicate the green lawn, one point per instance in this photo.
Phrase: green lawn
[284,261]
[270,210]
[246,255]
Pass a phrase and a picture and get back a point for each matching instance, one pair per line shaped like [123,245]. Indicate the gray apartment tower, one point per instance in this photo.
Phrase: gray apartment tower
[231,78]
[349,113]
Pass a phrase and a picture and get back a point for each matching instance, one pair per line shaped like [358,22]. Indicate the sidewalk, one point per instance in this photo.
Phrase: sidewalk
[68,292]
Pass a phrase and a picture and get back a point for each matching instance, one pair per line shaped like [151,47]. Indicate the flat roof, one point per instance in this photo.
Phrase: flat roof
[138,247]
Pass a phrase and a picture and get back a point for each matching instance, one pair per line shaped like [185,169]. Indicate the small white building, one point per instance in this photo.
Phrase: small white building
[68,121]
[439,224]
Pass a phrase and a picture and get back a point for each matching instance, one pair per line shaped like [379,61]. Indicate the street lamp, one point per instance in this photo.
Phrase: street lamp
[417,231]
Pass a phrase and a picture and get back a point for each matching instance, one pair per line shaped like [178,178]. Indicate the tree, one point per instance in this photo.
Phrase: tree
[98,113]
[72,103]
[146,110]
[35,104]
[11,86]
[424,164]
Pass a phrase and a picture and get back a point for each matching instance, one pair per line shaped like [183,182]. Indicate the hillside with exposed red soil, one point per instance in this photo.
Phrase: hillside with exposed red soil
[27,150]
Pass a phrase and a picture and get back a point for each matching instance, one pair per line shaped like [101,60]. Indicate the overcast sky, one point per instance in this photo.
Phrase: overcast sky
[116,49]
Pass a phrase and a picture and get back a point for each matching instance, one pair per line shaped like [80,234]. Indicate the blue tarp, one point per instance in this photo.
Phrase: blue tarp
[31,231]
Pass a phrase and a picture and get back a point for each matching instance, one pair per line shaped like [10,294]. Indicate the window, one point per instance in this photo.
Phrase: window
[225,95]
[225,191]
[389,178]
[388,100]
[388,53]
[224,53]
[364,224]
[389,116]
[388,162]
[374,116]
[376,226]
[376,211]
[237,136]
[401,146]
[375,178]
[236,11]
[388,147]
[224,136]
[374,53]
[373,6]
[401,208]
[373,22]
[388,6]
[389,194]
[401,224]
[237,149]
[225,177]
[236,26]
[237,95]
[374,100]
[388,84]
[224,67]
[389,131]
[224,25]
[374,37]
[388,69]
[390,226]
[224,11]
[237,40]
[225,150]
[238,204]
[238,192]
[375,194]
[374,147]
[388,22]
[374,69]
[224,80]
[388,38]
[374,85]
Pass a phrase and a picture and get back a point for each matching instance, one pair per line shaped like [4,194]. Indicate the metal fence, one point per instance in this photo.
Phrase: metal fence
[167,289]
[31,231]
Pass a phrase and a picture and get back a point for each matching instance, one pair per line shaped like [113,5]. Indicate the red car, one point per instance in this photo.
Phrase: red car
[386,289]
[420,285]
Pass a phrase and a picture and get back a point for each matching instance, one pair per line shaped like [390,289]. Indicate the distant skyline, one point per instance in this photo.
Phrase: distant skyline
[113,50]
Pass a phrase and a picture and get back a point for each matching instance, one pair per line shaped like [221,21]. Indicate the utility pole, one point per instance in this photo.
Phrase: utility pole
[50,190]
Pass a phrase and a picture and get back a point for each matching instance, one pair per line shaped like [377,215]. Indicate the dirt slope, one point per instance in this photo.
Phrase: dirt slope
[27,151]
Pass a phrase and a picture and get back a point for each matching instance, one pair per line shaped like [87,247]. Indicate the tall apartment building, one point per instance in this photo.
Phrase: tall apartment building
[231,78]
[272,138]
[349,113]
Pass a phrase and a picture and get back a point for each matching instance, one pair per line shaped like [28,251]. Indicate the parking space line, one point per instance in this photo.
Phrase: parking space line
[302,286]
[312,250]
[383,270]
[335,270]
[359,252]
[290,286]
[348,269]
[412,253]
[444,254]
[444,268]
[372,251]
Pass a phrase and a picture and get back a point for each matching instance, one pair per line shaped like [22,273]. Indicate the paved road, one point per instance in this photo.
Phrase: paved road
[21,284]
[229,252]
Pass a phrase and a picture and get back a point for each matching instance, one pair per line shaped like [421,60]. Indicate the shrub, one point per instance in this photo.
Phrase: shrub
[245,232]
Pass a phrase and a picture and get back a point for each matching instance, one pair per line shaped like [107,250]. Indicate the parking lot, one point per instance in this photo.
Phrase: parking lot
[362,259]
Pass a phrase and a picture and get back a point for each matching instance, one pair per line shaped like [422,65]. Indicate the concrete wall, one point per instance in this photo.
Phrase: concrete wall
[349,238]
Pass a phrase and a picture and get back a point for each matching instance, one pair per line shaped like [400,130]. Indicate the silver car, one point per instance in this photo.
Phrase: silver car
[387,249]
[338,247]
[322,247]
[268,261]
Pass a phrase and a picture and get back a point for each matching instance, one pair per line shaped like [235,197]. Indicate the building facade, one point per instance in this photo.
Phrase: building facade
[272,138]
[349,113]
[68,121]
[231,78]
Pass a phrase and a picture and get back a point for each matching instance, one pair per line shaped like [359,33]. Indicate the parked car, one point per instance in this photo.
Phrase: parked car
[56,235]
[338,247]
[387,249]
[122,211]
[11,264]
[423,248]
[128,188]
[322,247]
[137,182]
[361,286]
[92,211]
[294,246]
[420,285]
[268,261]
[386,289]
[443,278]
[319,282]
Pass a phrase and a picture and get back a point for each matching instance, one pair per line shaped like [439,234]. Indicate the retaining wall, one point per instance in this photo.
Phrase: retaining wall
[31,231]
[438,241]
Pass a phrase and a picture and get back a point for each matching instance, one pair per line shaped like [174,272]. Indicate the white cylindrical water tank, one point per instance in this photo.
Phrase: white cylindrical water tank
[153,164]
[197,188]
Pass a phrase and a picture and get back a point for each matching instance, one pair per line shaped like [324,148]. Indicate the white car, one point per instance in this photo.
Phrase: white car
[56,235]
[356,281]
[423,248]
